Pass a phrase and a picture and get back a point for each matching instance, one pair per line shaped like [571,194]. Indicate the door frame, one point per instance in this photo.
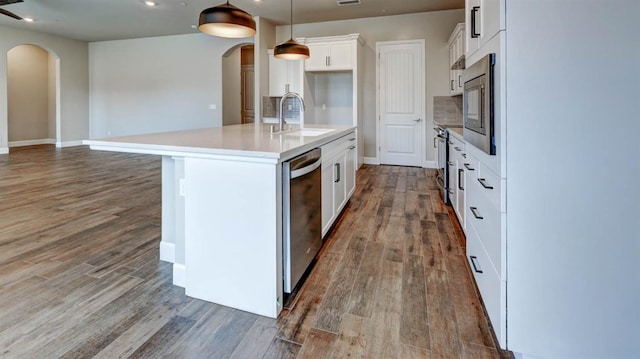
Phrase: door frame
[423,130]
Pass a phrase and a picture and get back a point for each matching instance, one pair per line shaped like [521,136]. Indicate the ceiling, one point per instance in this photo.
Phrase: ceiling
[99,20]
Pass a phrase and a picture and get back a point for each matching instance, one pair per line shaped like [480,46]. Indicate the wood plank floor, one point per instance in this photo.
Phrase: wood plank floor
[80,276]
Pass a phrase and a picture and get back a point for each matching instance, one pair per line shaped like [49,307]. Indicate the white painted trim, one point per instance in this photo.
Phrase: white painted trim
[167,252]
[43,141]
[429,164]
[371,161]
[4,150]
[69,144]
[179,275]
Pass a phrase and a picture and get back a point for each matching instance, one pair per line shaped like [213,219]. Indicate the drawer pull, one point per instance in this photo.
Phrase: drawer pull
[484,183]
[464,155]
[450,163]
[460,172]
[352,147]
[468,167]
[474,210]
[458,149]
[476,267]
[352,139]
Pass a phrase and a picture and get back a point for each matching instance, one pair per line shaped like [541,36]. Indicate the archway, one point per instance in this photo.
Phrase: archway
[238,85]
[32,96]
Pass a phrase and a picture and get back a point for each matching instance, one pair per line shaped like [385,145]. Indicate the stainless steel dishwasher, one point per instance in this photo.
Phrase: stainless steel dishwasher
[302,215]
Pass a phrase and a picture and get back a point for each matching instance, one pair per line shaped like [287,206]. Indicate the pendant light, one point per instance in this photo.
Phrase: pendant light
[291,49]
[226,20]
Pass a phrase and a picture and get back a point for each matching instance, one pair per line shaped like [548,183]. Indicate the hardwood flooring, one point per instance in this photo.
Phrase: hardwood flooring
[80,276]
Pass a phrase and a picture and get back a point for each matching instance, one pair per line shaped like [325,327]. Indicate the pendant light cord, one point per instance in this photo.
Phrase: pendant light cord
[291,23]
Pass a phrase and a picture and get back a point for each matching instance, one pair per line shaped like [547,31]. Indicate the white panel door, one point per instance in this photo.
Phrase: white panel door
[401,102]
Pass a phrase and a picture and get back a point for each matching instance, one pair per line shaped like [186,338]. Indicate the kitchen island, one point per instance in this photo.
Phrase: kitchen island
[222,207]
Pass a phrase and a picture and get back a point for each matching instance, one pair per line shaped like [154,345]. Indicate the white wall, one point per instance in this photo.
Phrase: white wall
[156,84]
[28,93]
[434,27]
[73,80]
[52,63]
[232,104]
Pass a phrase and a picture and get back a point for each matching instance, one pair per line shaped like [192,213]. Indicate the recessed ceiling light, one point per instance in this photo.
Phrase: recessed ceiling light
[28,19]
[150,3]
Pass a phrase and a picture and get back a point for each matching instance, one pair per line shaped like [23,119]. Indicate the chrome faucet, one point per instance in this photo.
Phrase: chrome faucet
[282,99]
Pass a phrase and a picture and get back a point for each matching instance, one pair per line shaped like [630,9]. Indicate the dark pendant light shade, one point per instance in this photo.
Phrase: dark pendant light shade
[291,49]
[226,20]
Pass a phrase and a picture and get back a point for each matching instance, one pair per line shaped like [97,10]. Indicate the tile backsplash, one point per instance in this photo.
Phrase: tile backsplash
[447,110]
[271,108]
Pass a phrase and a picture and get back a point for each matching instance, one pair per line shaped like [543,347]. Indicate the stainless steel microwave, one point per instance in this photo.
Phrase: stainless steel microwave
[478,104]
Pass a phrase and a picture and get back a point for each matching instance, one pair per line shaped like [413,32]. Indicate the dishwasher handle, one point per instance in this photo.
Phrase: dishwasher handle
[299,172]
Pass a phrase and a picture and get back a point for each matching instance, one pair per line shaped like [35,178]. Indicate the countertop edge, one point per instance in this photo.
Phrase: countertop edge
[124,145]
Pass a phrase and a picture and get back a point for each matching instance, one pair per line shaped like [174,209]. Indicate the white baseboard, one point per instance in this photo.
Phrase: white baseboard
[167,252]
[69,144]
[370,161]
[4,150]
[43,141]
[179,275]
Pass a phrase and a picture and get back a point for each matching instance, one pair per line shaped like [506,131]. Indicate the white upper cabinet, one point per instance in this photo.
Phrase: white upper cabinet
[484,19]
[335,53]
[456,59]
[283,73]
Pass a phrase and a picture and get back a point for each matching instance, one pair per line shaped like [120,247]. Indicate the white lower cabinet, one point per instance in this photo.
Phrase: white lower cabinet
[457,158]
[485,229]
[338,177]
[492,288]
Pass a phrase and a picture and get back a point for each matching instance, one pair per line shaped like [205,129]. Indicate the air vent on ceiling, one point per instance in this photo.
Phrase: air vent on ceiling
[348,2]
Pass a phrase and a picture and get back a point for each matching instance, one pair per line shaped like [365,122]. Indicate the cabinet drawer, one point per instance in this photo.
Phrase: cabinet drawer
[489,224]
[492,289]
[339,145]
[492,187]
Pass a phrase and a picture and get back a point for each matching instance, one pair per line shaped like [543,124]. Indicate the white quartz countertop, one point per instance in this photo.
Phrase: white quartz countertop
[248,140]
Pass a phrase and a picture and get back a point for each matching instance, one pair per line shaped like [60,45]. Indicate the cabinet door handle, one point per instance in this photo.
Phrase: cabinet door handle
[464,155]
[474,21]
[451,85]
[352,139]
[458,149]
[450,163]
[474,211]
[459,80]
[338,172]
[460,171]
[484,183]
[435,145]
[352,147]
[476,267]
[327,62]
[468,167]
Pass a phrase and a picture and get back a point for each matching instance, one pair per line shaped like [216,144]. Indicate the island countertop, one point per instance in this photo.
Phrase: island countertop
[247,140]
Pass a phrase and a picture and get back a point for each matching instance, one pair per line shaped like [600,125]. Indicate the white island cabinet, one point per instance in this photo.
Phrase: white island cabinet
[222,207]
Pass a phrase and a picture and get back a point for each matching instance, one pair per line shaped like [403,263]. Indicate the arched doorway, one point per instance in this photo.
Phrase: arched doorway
[238,85]
[32,96]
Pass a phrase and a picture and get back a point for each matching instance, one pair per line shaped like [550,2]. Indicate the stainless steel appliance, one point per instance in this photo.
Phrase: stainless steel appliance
[478,104]
[440,142]
[302,215]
